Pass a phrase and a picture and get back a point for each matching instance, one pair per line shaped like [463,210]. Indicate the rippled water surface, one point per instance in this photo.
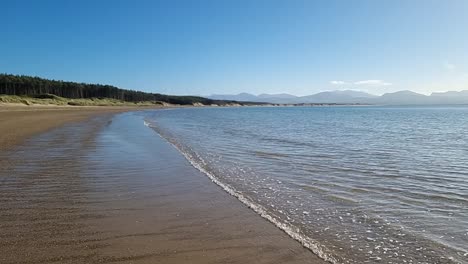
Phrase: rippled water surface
[355,184]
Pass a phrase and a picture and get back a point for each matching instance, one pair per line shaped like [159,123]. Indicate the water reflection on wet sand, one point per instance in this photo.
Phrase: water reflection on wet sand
[111,191]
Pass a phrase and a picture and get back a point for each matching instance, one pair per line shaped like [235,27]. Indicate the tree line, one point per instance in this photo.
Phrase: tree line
[35,87]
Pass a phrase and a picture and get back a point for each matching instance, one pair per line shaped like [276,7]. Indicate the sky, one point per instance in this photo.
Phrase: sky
[232,46]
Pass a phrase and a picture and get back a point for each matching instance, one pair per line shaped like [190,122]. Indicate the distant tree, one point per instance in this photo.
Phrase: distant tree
[34,86]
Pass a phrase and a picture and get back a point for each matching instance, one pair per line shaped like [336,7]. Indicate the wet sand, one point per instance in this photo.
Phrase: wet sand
[20,122]
[109,190]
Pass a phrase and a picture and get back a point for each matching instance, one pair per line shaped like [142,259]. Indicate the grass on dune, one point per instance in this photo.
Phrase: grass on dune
[50,99]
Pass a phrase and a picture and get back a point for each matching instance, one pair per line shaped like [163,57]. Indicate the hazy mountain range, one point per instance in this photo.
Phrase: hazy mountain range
[351,96]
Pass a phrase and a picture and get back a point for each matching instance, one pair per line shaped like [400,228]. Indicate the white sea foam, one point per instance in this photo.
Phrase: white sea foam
[293,232]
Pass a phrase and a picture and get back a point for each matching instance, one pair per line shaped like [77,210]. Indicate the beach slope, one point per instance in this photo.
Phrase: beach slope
[107,189]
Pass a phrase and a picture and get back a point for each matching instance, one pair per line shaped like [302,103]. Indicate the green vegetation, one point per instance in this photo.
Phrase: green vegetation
[50,99]
[35,90]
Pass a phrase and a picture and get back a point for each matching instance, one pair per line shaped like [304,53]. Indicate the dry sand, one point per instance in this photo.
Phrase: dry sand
[99,191]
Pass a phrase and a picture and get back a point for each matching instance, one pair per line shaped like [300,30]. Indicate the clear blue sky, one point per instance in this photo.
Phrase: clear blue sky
[232,46]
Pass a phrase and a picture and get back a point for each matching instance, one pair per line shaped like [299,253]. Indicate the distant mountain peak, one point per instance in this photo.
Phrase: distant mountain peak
[403,93]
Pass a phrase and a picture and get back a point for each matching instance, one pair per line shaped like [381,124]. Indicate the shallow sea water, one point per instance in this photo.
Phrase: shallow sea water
[354,184]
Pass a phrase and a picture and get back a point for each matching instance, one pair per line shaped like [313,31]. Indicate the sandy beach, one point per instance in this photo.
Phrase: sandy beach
[92,186]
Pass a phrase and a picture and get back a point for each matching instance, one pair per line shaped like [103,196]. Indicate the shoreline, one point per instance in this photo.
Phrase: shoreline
[146,204]
[261,211]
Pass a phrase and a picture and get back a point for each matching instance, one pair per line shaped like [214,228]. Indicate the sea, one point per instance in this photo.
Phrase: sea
[354,184]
